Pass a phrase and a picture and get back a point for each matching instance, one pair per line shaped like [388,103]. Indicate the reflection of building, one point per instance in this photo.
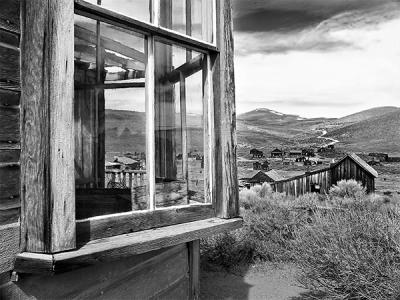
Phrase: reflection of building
[127,163]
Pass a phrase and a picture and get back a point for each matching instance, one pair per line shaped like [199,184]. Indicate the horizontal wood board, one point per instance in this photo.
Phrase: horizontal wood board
[124,246]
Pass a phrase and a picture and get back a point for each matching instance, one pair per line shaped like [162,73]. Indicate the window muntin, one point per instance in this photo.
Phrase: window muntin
[190,17]
[179,125]
[120,79]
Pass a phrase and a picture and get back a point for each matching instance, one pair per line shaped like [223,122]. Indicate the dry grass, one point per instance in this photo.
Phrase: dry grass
[347,245]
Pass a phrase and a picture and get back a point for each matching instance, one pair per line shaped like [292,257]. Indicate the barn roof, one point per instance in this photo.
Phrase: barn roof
[274,175]
[125,160]
[362,163]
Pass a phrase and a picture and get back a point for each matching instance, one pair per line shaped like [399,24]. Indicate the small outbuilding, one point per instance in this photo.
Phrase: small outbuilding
[277,153]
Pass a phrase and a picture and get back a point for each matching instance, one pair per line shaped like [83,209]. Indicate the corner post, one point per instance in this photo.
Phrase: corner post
[47,136]
[227,196]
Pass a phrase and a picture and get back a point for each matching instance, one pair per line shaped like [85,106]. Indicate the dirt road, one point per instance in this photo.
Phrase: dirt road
[269,283]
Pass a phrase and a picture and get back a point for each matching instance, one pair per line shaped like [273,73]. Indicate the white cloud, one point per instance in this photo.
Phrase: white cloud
[358,77]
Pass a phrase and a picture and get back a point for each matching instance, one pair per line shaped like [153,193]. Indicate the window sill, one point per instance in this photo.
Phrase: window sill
[122,246]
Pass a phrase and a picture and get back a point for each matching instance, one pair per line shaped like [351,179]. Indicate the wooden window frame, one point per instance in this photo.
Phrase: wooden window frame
[48,222]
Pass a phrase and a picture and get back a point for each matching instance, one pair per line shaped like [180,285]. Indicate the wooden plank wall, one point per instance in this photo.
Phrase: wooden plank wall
[348,169]
[161,274]
[326,178]
[9,132]
[9,112]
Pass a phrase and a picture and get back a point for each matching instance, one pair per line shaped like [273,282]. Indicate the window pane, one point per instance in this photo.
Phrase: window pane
[110,133]
[179,126]
[191,17]
[137,9]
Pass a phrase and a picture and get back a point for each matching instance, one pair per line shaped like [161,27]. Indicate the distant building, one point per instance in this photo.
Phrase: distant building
[113,166]
[379,156]
[308,152]
[265,165]
[256,153]
[294,153]
[301,159]
[260,177]
[277,153]
[349,167]
[257,165]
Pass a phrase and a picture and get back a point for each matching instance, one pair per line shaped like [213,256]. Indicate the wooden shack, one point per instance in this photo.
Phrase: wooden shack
[277,153]
[349,167]
[64,234]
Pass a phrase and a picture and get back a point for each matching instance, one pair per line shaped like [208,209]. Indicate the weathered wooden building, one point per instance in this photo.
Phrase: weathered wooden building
[63,235]
[349,167]
[261,177]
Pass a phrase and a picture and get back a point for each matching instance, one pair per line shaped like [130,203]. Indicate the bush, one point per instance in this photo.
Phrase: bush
[352,253]
[347,189]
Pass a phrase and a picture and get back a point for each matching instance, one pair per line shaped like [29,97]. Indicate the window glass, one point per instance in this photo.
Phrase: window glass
[137,9]
[191,17]
[179,126]
[110,133]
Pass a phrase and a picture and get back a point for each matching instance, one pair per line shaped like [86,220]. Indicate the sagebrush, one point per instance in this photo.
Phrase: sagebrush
[346,244]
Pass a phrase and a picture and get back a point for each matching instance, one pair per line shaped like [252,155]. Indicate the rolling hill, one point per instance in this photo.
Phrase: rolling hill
[373,130]
[379,133]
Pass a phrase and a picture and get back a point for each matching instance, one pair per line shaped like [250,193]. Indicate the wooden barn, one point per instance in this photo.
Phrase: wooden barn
[349,167]
[63,234]
[261,177]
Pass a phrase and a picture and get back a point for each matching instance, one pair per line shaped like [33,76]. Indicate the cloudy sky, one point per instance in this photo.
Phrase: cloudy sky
[317,57]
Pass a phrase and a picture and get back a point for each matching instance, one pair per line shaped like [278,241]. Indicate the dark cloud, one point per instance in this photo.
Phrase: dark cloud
[293,15]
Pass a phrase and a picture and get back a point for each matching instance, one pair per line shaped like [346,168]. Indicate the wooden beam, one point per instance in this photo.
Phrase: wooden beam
[194,269]
[107,226]
[47,149]
[123,246]
[227,193]
[109,44]
[182,98]
[191,67]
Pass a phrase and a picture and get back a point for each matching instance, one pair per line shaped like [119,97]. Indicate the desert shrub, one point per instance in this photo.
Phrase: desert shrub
[347,189]
[351,253]
[267,233]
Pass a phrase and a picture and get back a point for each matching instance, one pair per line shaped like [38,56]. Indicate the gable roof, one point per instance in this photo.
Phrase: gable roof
[362,163]
[276,150]
[274,175]
[125,160]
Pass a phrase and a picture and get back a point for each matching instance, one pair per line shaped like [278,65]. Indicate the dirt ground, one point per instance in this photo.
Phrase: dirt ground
[269,282]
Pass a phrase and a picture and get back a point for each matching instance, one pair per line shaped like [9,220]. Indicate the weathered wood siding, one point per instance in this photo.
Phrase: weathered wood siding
[162,274]
[301,185]
[10,203]
[325,178]
[348,169]
[9,112]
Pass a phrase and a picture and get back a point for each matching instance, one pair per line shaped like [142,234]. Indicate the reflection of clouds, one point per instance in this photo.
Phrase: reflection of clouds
[133,8]
[133,99]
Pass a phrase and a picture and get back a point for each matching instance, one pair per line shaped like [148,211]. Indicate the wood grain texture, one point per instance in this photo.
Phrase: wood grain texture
[9,246]
[108,226]
[9,15]
[47,150]
[194,269]
[9,155]
[153,275]
[9,39]
[9,182]
[9,68]
[9,124]
[227,195]
[9,98]
[124,246]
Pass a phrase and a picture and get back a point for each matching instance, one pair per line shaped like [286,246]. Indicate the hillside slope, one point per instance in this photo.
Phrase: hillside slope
[367,114]
[380,133]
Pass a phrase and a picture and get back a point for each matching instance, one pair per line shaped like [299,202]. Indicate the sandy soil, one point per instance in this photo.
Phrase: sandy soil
[270,282]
